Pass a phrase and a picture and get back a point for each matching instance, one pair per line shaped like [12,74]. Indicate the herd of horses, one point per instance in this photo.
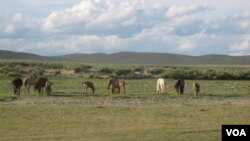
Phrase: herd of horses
[39,84]
[179,86]
[43,84]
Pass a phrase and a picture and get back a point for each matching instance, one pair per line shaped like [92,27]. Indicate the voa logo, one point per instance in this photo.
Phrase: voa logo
[236,132]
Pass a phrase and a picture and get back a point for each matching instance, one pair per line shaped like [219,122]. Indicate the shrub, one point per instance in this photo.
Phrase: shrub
[105,71]
[123,72]
[83,69]
[156,71]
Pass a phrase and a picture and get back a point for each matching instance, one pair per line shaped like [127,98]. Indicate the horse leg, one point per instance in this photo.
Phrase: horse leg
[42,90]
[24,88]
[158,89]
[19,90]
[124,89]
[181,90]
[118,90]
[39,91]
[28,88]
[83,90]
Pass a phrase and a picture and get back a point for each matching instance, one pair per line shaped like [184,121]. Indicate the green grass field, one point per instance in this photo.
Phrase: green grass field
[139,115]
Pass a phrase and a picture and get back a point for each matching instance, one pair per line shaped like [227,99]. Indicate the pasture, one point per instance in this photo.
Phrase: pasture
[139,115]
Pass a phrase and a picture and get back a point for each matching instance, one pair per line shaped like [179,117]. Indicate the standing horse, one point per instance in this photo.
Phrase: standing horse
[196,87]
[179,86]
[40,84]
[115,87]
[17,83]
[28,81]
[122,85]
[88,85]
[48,88]
[160,86]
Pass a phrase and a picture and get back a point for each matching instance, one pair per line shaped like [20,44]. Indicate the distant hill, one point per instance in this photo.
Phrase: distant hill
[19,55]
[133,57]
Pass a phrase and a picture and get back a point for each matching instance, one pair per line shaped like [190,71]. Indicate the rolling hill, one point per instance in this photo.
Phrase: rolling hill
[133,58]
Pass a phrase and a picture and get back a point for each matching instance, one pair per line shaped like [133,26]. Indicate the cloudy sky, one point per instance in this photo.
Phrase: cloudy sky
[190,27]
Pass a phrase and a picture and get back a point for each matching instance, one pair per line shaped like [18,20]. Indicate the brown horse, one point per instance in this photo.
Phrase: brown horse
[122,84]
[196,87]
[179,86]
[28,81]
[115,87]
[88,85]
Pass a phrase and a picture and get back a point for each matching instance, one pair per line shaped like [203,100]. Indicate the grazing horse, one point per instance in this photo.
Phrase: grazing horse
[115,85]
[196,87]
[48,88]
[40,84]
[28,81]
[122,84]
[17,83]
[88,85]
[179,86]
[160,85]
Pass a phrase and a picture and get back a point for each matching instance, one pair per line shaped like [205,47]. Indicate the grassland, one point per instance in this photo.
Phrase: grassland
[138,115]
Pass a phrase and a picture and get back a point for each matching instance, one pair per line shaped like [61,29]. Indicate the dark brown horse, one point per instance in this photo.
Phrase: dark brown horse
[179,86]
[17,83]
[40,84]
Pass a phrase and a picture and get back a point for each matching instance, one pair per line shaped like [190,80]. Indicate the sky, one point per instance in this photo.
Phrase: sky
[194,27]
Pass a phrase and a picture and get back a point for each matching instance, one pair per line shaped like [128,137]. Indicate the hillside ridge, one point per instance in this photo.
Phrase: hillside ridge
[132,58]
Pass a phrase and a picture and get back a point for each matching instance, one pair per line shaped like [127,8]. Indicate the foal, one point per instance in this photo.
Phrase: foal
[88,85]
[196,87]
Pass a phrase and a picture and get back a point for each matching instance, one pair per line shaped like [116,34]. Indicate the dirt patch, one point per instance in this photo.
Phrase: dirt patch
[130,102]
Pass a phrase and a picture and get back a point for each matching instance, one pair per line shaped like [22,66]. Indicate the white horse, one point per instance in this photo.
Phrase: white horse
[160,86]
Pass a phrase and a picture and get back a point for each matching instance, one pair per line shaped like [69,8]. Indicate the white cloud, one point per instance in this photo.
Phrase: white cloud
[70,44]
[112,26]
[13,24]
[235,25]
[186,46]
[129,22]
[180,10]
[90,13]
[9,29]
[104,16]
[242,46]
[18,17]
